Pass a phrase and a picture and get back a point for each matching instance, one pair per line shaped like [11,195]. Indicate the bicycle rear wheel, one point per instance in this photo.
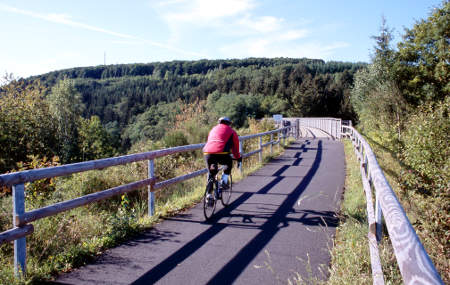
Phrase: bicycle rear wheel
[209,201]
[226,193]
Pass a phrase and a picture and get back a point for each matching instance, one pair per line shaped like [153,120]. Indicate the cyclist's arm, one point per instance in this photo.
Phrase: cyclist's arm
[235,147]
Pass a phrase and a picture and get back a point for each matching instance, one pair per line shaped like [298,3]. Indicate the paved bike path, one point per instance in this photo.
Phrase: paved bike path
[281,222]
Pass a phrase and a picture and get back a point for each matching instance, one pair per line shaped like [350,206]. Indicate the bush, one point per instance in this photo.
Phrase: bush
[425,180]
[426,150]
[175,138]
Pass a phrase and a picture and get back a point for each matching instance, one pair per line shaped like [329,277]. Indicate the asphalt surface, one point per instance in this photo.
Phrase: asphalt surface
[279,226]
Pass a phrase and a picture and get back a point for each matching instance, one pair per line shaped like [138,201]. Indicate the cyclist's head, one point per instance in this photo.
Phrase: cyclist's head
[225,120]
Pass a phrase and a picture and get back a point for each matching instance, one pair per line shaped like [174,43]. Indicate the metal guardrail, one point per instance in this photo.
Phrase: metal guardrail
[415,265]
[17,180]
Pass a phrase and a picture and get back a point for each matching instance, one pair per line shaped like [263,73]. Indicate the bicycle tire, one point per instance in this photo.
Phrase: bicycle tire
[226,194]
[209,207]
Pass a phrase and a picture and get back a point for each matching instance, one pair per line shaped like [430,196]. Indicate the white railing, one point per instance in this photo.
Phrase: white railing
[331,126]
[22,219]
[415,265]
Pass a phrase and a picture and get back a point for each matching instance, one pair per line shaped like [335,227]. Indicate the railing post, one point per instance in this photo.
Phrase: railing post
[271,144]
[241,151]
[260,150]
[378,217]
[20,246]
[278,139]
[151,195]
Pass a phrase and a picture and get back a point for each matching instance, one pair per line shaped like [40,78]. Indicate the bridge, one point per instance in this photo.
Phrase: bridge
[279,226]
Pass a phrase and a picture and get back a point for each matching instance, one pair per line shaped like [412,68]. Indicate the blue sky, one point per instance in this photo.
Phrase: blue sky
[38,36]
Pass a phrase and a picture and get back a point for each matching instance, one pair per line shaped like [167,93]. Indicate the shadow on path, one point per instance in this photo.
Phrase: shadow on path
[275,220]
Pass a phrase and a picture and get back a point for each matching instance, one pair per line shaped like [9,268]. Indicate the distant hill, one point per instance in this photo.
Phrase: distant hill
[118,94]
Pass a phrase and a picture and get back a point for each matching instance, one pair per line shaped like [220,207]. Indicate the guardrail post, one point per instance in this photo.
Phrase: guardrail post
[241,151]
[151,195]
[260,150]
[271,144]
[378,217]
[339,129]
[20,245]
[278,139]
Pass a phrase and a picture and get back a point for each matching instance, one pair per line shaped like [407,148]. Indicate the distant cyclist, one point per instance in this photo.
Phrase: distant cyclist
[222,141]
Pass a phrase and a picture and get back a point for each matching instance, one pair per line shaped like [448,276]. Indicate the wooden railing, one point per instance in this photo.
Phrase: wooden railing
[415,265]
[22,218]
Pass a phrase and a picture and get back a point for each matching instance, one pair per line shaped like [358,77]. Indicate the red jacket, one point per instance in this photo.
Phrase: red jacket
[221,139]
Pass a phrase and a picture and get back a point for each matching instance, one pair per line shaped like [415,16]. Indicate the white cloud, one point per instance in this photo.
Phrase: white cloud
[293,35]
[203,11]
[226,19]
[262,24]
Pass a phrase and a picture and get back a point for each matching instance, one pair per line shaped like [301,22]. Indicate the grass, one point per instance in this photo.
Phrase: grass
[74,238]
[350,255]
[353,266]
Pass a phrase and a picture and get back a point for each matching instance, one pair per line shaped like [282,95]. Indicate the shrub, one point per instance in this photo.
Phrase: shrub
[426,150]
[175,138]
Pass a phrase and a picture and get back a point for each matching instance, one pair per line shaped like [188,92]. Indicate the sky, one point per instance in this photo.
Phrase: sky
[39,36]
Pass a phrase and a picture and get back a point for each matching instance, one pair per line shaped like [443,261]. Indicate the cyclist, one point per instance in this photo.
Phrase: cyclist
[222,140]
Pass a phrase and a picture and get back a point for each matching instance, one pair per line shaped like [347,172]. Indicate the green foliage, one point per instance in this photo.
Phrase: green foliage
[66,107]
[379,103]
[122,93]
[403,107]
[26,127]
[152,124]
[424,58]
[95,141]
[238,107]
[39,191]
[427,151]
[175,138]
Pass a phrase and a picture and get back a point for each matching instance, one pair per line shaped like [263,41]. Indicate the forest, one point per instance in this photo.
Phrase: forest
[92,112]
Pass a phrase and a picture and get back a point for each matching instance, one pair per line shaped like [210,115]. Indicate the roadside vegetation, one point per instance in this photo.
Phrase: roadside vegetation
[76,237]
[403,107]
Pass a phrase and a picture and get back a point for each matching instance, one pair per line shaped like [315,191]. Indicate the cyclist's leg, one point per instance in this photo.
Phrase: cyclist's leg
[211,164]
[227,162]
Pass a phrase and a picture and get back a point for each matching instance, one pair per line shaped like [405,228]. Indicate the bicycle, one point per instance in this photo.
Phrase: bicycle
[217,192]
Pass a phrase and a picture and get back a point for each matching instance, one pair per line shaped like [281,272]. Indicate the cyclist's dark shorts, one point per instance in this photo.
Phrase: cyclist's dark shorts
[213,160]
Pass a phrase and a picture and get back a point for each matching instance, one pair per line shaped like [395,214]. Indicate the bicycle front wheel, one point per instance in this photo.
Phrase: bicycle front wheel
[209,201]
[226,193]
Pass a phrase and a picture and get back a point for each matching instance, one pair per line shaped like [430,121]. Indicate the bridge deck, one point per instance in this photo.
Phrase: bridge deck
[282,221]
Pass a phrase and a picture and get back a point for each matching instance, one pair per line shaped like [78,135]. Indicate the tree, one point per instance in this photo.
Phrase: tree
[424,58]
[94,140]
[376,96]
[383,50]
[26,127]
[66,108]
